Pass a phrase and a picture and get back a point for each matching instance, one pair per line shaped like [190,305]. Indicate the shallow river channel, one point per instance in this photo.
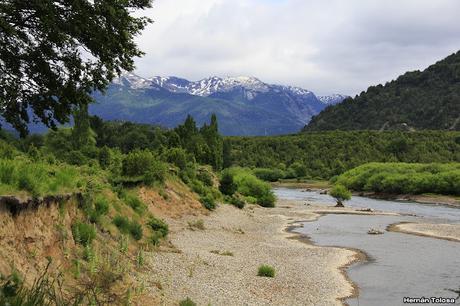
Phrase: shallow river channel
[400,265]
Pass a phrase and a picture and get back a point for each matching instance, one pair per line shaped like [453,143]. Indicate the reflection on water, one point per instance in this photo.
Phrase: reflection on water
[402,265]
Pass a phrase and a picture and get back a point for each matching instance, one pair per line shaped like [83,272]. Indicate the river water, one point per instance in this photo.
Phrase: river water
[400,265]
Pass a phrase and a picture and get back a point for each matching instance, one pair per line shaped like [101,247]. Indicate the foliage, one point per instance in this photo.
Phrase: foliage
[208,202]
[134,202]
[43,72]
[340,193]
[143,163]
[38,178]
[83,233]
[227,184]
[128,227]
[187,302]
[322,155]
[249,185]
[420,100]
[235,201]
[158,226]
[404,178]
[266,271]
[269,175]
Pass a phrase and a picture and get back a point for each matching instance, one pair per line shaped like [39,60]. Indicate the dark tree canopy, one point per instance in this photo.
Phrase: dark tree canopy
[53,54]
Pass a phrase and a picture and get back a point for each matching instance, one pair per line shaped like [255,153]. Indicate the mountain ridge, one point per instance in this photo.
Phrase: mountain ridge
[244,105]
[416,100]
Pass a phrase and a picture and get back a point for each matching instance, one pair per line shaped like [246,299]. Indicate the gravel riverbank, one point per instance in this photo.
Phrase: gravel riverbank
[218,265]
[441,231]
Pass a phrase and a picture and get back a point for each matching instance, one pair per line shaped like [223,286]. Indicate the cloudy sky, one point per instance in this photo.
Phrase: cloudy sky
[327,46]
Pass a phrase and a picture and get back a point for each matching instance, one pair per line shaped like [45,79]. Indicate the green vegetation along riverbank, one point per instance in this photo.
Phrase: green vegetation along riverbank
[322,155]
[404,178]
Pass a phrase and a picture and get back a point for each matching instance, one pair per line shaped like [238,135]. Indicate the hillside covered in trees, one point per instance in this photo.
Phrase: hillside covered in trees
[421,100]
[322,155]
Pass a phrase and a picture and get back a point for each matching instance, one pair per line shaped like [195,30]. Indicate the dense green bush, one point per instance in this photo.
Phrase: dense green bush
[266,271]
[269,175]
[227,185]
[250,186]
[340,193]
[208,202]
[404,178]
[155,174]
[235,201]
[128,227]
[137,163]
[144,164]
[205,177]
[83,233]
[134,202]
[177,157]
[187,302]
[158,226]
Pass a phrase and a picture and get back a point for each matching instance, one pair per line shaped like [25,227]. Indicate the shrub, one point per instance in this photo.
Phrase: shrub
[205,177]
[235,201]
[128,227]
[187,302]
[269,175]
[266,271]
[135,229]
[83,233]
[156,173]
[250,186]
[101,206]
[137,163]
[227,184]
[156,238]
[158,226]
[134,202]
[340,193]
[177,157]
[122,223]
[208,202]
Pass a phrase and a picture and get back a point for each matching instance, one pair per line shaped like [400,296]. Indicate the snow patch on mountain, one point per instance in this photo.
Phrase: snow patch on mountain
[212,85]
[332,99]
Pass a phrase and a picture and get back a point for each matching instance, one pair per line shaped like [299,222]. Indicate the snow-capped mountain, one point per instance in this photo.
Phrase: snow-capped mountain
[209,86]
[332,99]
[243,105]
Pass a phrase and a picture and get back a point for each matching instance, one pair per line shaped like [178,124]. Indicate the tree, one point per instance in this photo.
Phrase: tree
[54,54]
[227,184]
[341,194]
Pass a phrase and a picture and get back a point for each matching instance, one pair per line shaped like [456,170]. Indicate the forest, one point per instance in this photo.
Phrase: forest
[420,100]
[323,155]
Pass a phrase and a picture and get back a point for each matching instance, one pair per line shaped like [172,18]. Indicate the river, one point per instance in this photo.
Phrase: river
[400,265]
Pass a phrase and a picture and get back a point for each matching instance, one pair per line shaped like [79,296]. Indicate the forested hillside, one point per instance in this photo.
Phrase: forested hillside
[416,100]
[326,154]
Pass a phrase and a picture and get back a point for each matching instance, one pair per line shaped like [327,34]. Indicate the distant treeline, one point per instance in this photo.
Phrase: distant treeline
[422,100]
[322,155]
[404,178]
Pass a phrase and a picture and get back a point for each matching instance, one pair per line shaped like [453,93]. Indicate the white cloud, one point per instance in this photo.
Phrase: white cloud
[326,46]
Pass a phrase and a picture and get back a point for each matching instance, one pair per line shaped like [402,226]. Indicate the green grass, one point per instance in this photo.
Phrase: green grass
[39,178]
[266,271]
[187,302]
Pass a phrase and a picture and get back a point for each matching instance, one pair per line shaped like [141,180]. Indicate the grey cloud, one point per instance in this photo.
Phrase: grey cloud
[325,46]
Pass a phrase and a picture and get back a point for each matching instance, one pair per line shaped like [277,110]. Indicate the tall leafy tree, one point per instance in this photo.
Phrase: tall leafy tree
[54,53]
